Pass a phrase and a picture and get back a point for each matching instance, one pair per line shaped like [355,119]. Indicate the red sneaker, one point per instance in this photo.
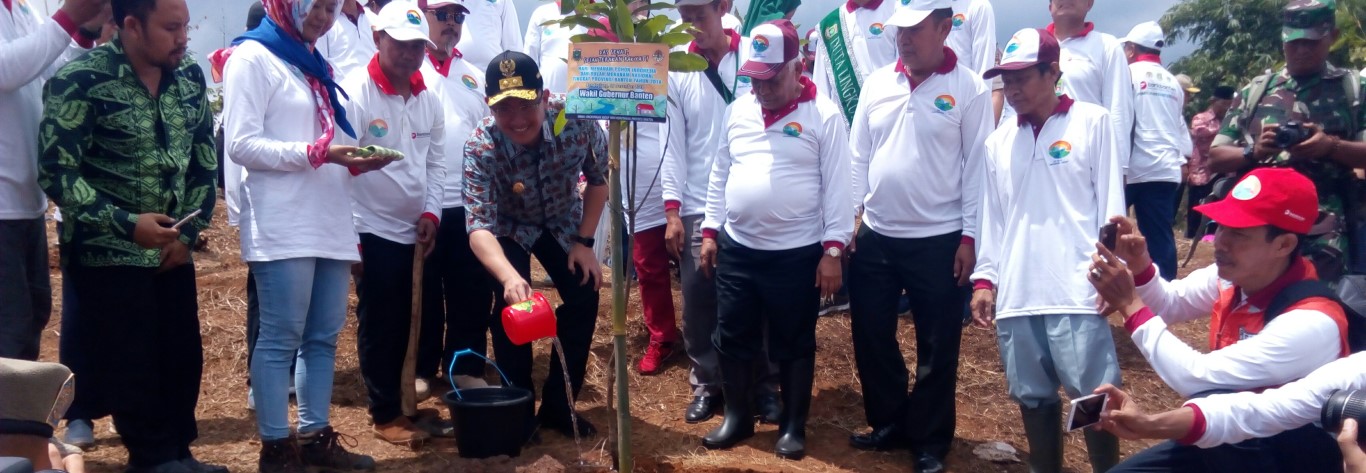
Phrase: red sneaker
[654,357]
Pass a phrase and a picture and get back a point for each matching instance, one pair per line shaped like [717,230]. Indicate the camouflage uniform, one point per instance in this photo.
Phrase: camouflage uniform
[1323,100]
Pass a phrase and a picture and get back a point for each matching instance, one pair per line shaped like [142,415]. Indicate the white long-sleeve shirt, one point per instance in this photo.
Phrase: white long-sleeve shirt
[549,46]
[973,36]
[918,153]
[872,45]
[1095,70]
[1289,347]
[388,202]
[649,193]
[1161,140]
[696,113]
[1233,418]
[1045,199]
[461,92]
[289,209]
[31,51]
[348,46]
[782,185]
[490,28]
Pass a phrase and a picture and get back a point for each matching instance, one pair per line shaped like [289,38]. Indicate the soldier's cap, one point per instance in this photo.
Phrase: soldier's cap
[512,74]
[1308,19]
[1279,197]
[1224,92]
[35,394]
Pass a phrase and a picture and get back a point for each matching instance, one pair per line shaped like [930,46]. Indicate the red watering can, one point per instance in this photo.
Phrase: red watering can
[529,320]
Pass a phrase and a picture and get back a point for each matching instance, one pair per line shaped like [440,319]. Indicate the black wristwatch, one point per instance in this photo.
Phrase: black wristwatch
[1249,154]
[585,241]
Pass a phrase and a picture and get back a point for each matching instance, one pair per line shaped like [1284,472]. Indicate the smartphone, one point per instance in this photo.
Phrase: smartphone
[1086,411]
[185,220]
[1108,234]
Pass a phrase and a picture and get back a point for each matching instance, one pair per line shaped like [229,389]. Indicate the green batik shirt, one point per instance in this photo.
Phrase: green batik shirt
[109,150]
[1323,100]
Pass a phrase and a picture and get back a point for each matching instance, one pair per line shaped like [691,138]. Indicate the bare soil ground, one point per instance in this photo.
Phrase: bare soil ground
[662,441]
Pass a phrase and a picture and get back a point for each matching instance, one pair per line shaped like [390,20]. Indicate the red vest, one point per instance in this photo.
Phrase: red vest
[1231,322]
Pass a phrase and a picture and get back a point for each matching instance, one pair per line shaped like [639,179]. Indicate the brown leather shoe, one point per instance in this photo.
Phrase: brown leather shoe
[401,432]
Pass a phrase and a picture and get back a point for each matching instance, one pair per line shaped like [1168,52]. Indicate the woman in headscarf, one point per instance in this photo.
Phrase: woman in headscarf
[281,115]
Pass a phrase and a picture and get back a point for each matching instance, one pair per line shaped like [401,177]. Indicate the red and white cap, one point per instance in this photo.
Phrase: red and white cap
[435,4]
[1027,48]
[911,13]
[772,45]
[1147,34]
[1278,197]
[403,21]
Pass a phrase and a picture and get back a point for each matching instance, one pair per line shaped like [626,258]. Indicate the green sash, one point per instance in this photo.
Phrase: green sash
[842,71]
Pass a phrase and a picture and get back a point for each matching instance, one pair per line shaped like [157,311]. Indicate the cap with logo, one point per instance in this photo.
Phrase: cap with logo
[1027,48]
[908,14]
[1147,34]
[435,4]
[1278,197]
[1187,84]
[512,74]
[402,21]
[687,3]
[772,45]
[1308,19]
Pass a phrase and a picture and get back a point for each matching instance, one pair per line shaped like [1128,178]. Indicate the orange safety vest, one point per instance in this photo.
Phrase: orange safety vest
[1231,322]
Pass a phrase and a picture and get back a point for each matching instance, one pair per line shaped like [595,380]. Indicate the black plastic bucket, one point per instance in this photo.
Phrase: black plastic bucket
[489,421]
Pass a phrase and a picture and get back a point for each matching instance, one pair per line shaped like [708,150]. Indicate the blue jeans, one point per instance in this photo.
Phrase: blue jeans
[1154,204]
[303,308]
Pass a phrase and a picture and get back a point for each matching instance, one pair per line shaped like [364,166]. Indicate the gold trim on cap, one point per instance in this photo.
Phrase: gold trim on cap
[509,82]
[524,94]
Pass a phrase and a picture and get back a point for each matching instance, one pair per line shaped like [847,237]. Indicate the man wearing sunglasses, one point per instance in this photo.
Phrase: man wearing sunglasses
[522,198]
[455,314]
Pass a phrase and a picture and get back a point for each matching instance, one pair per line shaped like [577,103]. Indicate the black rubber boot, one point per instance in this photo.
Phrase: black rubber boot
[1103,449]
[737,380]
[1043,429]
[796,378]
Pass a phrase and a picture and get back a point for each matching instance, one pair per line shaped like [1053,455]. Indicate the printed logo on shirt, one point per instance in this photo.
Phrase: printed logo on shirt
[421,135]
[793,129]
[905,2]
[1248,189]
[875,29]
[469,81]
[958,21]
[378,128]
[23,7]
[760,44]
[1059,150]
[945,102]
[414,17]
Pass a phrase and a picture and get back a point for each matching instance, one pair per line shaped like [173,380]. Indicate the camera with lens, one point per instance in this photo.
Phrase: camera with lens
[1290,134]
[1343,405]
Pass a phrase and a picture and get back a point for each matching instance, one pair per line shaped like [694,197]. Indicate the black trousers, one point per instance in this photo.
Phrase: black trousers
[456,302]
[760,291]
[575,321]
[1193,198]
[137,355]
[26,289]
[384,311]
[1305,449]
[879,270]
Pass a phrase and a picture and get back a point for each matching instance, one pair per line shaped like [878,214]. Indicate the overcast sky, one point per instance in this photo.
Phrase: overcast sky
[215,22]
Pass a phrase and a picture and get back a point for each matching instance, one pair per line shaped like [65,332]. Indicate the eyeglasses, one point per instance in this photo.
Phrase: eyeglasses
[526,106]
[443,15]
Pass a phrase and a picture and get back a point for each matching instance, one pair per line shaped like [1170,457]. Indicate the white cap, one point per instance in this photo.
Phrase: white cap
[403,21]
[435,4]
[685,3]
[1027,48]
[911,13]
[1147,34]
[774,44]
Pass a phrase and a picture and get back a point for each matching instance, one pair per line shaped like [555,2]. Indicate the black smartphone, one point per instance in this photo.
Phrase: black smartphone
[1086,411]
[1108,234]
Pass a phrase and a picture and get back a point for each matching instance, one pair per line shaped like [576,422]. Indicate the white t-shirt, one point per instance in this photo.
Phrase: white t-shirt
[31,51]
[289,209]
[348,46]
[1161,140]
[490,28]
[974,34]
[918,154]
[388,202]
[872,45]
[649,191]
[782,185]
[549,46]
[1233,418]
[461,92]
[1094,70]
[696,113]
[1045,199]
